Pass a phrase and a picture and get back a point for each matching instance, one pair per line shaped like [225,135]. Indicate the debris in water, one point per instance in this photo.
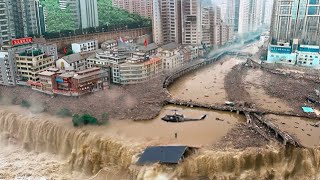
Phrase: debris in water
[218,119]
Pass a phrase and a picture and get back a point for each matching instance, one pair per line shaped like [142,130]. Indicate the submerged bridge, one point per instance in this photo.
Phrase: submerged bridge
[254,119]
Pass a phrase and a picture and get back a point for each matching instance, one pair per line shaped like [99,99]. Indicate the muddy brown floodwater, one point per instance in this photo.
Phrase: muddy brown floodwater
[301,128]
[253,85]
[207,84]
[196,133]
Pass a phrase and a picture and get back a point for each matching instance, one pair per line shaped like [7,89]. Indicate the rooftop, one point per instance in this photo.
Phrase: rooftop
[47,73]
[169,47]
[73,58]
[149,47]
[163,155]
[88,70]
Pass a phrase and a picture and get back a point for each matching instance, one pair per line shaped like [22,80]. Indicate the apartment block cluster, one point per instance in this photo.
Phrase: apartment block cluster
[295,33]
[89,69]
[196,22]
[141,7]
[20,18]
[189,22]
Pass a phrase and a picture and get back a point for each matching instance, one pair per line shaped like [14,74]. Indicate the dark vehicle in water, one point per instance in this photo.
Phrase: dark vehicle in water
[180,118]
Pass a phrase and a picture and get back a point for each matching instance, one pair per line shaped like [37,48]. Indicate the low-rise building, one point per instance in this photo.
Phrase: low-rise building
[72,62]
[308,56]
[31,62]
[86,81]
[74,83]
[171,57]
[295,54]
[128,63]
[281,53]
[84,46]
[109,44]
[138,69]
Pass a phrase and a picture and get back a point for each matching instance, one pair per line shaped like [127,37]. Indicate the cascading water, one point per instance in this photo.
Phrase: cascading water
[98,156]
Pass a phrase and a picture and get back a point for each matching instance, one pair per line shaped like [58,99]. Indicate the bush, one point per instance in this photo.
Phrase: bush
[76,120]
[25,103]
[64,112]
[85,119]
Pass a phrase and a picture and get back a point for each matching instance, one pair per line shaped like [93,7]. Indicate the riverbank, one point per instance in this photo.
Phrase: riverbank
[135,102]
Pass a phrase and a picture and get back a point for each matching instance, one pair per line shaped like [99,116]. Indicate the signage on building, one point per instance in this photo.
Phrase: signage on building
[282,50]
[21,41]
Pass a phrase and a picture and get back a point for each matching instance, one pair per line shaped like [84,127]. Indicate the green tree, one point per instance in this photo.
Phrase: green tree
[58,19]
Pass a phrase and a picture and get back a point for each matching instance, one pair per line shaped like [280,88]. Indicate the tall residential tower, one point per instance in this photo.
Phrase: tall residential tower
[296,19]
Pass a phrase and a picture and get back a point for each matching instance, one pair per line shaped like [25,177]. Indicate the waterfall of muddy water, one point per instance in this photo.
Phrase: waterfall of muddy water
[54,149]
[207,84]
[259,96]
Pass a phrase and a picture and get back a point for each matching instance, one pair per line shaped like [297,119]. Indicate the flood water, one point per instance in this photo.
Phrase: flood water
[195,133]
[253,85]
[301,128]
[205,85]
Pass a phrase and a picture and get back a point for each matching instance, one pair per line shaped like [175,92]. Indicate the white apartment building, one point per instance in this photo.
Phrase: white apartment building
[84,46]
[171,57]
[127,67]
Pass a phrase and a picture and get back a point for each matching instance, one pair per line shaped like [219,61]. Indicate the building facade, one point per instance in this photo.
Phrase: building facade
[8,68]
[142,7]
[296,19]
[85,46]
[167,21]
[88,13]
[31,62]
[171,56]
[191,22]
[84,12]
[129,63]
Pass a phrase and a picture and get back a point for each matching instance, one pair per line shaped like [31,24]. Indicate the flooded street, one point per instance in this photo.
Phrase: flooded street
[205,85]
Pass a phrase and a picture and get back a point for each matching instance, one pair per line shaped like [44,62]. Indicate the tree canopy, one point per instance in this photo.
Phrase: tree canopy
[109,17]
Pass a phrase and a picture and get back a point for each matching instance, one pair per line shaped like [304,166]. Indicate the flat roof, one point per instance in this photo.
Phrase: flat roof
[46,73]
[87,75]
[88,70]
[162,154]
[67,75]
